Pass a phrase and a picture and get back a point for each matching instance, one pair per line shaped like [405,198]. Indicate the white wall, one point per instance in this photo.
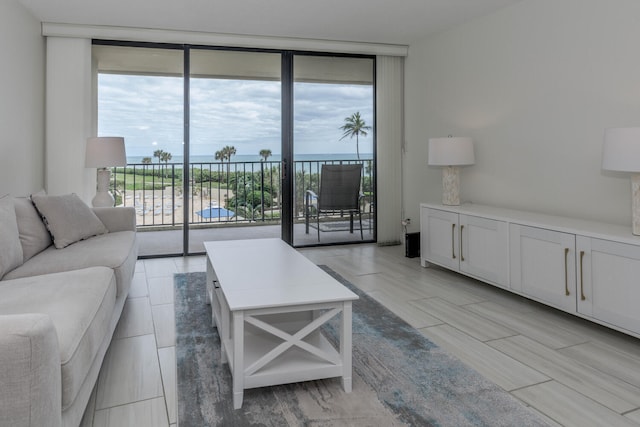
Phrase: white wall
[535,84]
[22,76]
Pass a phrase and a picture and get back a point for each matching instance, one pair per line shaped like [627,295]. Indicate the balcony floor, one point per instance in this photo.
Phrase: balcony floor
[169,242]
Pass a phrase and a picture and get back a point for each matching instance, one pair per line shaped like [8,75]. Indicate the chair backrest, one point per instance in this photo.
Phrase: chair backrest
[339,187]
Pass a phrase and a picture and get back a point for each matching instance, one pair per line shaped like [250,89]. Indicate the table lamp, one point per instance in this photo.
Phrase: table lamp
[104,152]
[451,152]
[621,152]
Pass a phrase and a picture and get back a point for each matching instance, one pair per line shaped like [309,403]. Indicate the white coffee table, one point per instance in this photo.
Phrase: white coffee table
[268,301]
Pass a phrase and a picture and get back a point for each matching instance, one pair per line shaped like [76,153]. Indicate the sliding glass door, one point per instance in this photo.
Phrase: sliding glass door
[140,97]
[229,143]
[333,104]
[234,145]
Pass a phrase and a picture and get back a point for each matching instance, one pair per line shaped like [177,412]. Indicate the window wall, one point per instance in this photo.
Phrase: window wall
[209,143]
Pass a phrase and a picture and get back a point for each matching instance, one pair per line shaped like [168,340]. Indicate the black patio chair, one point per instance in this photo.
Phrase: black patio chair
[339,193]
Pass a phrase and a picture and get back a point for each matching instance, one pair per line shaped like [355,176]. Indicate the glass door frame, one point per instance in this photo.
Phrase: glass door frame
[287,126]
[288,155]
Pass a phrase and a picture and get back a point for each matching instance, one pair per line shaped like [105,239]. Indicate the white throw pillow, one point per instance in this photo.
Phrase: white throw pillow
[68,218]
[34,236]
[10,247]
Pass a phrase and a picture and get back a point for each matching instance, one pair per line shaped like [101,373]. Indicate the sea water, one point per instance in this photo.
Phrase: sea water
[240,158]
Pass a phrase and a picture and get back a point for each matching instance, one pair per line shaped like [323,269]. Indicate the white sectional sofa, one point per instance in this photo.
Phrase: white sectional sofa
[62,290]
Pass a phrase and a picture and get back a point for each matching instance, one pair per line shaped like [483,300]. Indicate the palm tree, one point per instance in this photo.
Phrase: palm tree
[158,154]
[225,154]
[231,151]
[165,157]
[221,155]
[146,160]
[354,125]
[265,153]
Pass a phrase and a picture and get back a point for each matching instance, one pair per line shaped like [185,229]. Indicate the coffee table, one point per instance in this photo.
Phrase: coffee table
[268,301]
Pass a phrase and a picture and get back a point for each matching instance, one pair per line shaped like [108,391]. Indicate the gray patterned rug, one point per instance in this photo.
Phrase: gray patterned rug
[399,378]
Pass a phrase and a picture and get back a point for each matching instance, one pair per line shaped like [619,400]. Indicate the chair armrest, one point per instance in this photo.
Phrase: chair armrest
[117,219]
[31,391]
[309,196]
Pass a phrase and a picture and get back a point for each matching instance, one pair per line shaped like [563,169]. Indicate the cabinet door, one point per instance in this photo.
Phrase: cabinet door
[440,241]
[484,249]
[543,265]
[609,282]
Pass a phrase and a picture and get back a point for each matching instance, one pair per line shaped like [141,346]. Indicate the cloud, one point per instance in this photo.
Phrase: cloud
[148,111]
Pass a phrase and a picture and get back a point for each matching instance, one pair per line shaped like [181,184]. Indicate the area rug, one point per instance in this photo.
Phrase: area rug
[399,377]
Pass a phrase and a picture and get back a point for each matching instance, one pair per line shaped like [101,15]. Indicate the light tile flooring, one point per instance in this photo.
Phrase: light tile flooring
[571,371]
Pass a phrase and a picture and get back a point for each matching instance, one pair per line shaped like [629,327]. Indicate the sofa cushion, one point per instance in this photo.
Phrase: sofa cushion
[67,218]
[80,304]
[114,250]
[34,236]
[10,247]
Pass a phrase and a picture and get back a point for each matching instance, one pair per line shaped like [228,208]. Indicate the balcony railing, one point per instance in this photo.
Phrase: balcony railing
[221,193]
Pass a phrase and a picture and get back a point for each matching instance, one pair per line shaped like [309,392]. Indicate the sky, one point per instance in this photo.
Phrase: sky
[148,112]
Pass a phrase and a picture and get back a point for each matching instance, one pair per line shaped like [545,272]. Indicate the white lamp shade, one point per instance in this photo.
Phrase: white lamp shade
[451,151]
[105,151]
[621,149]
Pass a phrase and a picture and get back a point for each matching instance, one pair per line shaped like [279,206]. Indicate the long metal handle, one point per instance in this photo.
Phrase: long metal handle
[453,241]
[461,256]
[566,279]
[582,297]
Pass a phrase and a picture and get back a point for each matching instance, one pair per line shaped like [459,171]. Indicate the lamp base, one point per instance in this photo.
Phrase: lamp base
[103,198]
[635,203]
[451,186]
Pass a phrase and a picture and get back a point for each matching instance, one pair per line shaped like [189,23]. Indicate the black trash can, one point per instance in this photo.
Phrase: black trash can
[412,245]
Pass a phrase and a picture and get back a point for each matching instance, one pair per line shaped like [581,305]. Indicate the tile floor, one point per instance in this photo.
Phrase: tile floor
[574,373]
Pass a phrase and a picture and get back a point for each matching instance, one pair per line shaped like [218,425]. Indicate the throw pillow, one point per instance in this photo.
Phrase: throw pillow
[68,218]
[34,236]
[10,247]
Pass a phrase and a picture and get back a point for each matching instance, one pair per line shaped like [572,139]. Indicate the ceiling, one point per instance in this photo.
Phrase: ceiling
[374,21]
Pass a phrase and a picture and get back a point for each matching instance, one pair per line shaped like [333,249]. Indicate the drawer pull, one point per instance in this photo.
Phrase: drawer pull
[461,256]
[566,279]
[582,297]
[453,241]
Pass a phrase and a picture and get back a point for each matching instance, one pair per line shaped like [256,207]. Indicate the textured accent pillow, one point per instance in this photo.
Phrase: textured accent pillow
[34,236]
[10,247]
[67,218]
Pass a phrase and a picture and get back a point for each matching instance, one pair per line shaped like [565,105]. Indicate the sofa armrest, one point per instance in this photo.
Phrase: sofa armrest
[117,219]
[31,391]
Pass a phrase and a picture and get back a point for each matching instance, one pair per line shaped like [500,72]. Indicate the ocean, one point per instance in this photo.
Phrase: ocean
[240,158]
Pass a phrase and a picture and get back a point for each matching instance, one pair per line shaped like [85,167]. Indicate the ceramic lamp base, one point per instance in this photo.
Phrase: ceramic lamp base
[451,186]
[103,198]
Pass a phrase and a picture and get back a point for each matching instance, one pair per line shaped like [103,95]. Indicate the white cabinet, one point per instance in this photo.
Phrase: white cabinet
[469,244]
[609,282]
[484,249]
[439,238]
[543,265]
[585,268]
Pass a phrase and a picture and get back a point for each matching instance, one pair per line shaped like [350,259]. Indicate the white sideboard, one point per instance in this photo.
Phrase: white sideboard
[589,269]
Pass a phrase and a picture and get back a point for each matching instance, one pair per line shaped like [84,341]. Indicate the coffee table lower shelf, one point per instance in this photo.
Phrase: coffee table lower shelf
[294,365]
